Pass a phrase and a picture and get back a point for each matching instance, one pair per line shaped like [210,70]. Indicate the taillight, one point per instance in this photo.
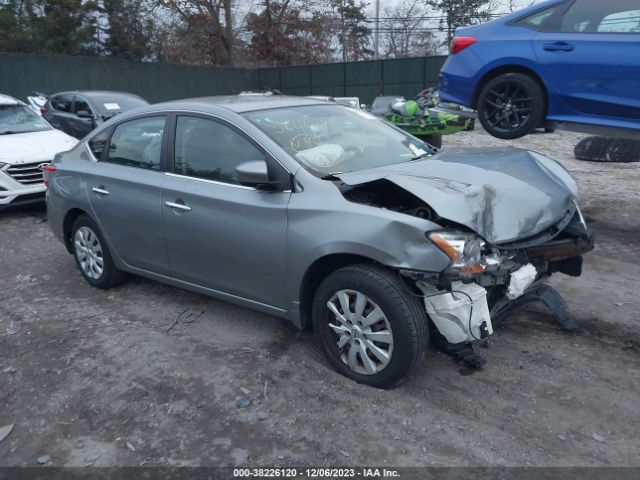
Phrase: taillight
[48,171]
[460,43]
[43,110]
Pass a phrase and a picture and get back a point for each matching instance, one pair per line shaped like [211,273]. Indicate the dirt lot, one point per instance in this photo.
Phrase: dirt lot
[91,377]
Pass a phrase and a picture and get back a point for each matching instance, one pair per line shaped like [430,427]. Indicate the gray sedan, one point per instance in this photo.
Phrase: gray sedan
[320,214]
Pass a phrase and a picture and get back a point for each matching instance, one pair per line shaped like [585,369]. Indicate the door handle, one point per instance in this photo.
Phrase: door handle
[100,190]
[558,47]
[178,206]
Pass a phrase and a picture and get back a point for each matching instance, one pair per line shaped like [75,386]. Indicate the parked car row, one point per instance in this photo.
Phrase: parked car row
[31,134]
[27,144]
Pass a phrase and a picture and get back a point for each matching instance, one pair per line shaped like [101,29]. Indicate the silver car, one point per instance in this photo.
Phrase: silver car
[321,214]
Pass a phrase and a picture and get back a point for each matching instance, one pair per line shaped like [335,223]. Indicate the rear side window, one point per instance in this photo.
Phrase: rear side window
[211,150]
[137,143]
[62,103]
[598,16]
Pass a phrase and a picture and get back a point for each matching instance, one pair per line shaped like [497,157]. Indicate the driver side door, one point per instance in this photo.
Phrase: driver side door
[220,234]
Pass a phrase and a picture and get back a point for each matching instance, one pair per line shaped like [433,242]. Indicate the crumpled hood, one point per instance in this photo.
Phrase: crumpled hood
[17,148]
[503,194]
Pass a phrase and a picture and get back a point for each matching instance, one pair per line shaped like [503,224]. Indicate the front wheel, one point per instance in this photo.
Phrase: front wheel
[371,327]
[511,106]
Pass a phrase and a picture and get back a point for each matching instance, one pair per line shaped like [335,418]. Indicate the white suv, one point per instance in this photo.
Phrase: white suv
[27,144]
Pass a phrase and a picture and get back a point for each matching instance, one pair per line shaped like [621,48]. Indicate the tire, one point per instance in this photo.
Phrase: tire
[86,238]
[511,106]
[602,149]
[433,140]
[403,321]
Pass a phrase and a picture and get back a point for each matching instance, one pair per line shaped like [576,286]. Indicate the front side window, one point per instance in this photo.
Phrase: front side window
[594,16]
[20,119]
[62,103]
[211,150]
[137,143]
[332,139]
[621,22]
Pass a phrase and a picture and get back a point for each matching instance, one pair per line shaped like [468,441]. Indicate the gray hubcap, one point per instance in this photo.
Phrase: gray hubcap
[364,337]
[88,252]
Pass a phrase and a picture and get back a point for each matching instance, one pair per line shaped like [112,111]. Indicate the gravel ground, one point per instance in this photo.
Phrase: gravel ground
[93,377]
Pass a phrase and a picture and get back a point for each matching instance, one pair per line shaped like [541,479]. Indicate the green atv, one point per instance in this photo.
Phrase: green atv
[418,118]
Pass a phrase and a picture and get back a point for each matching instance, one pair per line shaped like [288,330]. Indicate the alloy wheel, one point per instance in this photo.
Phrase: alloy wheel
[360,332]
[508,105]
[88,251]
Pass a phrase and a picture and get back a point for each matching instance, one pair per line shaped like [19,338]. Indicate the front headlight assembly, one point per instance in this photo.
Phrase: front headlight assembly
[464,249]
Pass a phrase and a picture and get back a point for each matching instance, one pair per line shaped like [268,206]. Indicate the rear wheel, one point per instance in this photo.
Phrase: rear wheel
[92,254]
[370,327]
[511,105]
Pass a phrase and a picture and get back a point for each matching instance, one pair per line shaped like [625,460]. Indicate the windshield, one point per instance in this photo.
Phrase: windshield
[111,105]
[332,139]
[20,119]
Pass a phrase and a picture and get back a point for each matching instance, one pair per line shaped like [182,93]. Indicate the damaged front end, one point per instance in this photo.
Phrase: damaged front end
[508,219]
[483,283]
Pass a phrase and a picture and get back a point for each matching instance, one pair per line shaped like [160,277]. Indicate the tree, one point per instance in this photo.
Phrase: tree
[49,26]
[403,33]
[13,37]
[131,28]
[353,33]
[458,13]
[67,27]
[207,26]
[289,33]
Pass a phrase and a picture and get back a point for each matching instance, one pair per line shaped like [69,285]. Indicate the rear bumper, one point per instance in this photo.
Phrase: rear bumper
[459,77]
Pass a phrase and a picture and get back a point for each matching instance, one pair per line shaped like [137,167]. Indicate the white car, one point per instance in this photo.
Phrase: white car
[27,144]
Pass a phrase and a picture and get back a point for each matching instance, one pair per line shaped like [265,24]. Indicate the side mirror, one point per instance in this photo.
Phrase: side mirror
[83,114]
[252,173]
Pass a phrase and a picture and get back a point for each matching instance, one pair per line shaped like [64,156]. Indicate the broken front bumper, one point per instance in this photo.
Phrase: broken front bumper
[460,308]
[460,315]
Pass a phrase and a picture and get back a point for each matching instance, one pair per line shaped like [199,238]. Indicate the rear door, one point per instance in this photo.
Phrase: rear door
[220,234]
[590,57]
[124,189]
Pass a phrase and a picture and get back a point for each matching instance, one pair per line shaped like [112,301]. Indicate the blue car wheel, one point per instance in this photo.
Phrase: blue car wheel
[511,105]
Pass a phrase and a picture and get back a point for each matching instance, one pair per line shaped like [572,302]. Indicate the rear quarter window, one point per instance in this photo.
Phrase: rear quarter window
[542,19]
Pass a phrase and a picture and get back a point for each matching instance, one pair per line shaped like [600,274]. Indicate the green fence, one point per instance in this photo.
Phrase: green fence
[356,79]
[21,74]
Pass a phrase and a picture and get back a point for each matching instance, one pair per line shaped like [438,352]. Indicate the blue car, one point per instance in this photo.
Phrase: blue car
[560,61]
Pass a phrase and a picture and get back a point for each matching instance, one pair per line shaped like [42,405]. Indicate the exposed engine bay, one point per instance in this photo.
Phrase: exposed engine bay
[483,281]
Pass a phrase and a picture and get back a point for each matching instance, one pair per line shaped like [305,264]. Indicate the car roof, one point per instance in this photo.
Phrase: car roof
[239,103]
[7,100]
[98,93]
